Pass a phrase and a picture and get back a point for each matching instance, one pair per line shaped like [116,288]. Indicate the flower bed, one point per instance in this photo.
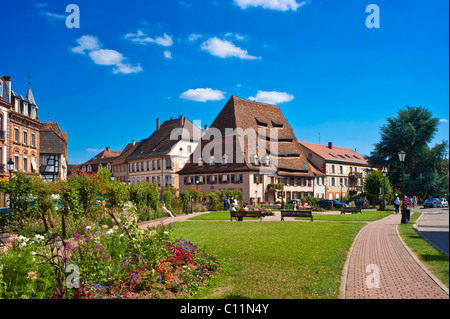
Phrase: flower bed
[105,262]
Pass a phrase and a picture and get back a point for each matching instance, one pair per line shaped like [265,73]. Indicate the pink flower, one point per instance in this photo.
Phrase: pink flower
[32,275]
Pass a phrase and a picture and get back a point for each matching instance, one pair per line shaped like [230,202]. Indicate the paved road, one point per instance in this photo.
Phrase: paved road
[434,226]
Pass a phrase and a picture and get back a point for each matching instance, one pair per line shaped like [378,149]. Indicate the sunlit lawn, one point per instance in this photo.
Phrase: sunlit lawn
[434,260]
[274,259]
[366,215]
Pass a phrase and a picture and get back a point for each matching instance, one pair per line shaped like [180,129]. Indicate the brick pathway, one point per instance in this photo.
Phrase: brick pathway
[379,251]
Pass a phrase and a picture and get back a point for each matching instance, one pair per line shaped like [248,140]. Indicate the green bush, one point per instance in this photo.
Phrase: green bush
[19,189]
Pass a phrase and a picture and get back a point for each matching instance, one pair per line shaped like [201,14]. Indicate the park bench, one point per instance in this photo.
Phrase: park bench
[249,213]
[296,213]
[353,210]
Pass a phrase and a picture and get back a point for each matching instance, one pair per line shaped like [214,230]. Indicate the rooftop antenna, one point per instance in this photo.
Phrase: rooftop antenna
[50,117]
[319,137]
[29,79]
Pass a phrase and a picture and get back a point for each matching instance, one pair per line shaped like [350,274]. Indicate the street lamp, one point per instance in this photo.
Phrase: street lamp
[384,172]
[10,166]
[401,156]
[112,177]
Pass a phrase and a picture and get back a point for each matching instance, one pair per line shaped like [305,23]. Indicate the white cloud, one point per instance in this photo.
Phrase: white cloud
[52,15]
[142,38]
[185,4]
[226,49]
[114,58]
[203,95]
[443,120]
[271,97]
[281,5]
[104,56]
[235,35]
[41,5]
[168,54]
[86,42]
[194,36]
[127,68]
[93,150]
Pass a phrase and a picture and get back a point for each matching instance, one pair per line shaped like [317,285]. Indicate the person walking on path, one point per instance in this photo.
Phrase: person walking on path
[379,266]
[397,205]
[225,203]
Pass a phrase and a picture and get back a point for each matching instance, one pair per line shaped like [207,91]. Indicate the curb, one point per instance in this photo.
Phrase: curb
[433,277]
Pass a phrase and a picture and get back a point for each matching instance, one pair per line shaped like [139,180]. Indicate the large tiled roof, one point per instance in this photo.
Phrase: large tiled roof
[127,151]
[105,156]
[335,154]
[269,123]
[160,142]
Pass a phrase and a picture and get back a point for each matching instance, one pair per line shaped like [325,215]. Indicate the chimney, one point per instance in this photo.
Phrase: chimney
[7,89]
[171,118]
[181,120]
[134,142]
[330,145]
[108,148]
[64,136]
[158,123]
[206,127]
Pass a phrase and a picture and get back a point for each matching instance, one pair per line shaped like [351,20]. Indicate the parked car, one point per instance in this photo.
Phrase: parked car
[444,202]
[432,203]
[325,203]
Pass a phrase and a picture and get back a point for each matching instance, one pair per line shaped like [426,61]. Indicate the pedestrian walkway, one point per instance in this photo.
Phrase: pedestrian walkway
[379,266]
[168,220]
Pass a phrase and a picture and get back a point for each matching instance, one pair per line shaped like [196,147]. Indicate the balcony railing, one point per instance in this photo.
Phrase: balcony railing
[355,175]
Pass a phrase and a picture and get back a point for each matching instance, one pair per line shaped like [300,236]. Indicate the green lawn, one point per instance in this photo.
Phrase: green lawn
[274,259]
[218,215]
[370,215]
[364,216]
[434,260]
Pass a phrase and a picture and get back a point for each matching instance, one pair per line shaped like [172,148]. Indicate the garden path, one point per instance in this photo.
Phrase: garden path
[380,266]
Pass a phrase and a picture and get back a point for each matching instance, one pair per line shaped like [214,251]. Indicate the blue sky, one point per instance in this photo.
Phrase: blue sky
[106,82]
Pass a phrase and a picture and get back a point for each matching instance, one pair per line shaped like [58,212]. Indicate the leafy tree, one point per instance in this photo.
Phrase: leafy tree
[425,168]
[168,196]
[88,188]
[44,202]
[115,192]
[105,174]
[69,198]
[373,182]
[19,190]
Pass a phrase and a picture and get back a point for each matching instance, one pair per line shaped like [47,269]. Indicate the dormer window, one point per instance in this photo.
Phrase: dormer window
[277,124]
[33,113]
[25,109]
